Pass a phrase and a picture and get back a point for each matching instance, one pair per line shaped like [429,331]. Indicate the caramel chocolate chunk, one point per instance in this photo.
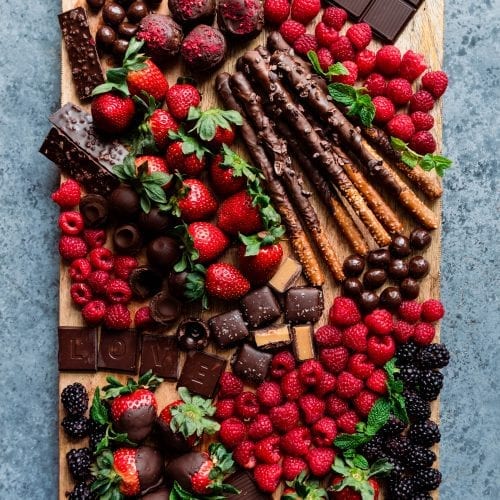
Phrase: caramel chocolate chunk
[248,490]
[161,355]
[303,304]
[272,337]
[250,364]
[82,53]
[201,373]
[302,342]
[286,275]
[118,350]
[228,329]
[260,307]
[77,348]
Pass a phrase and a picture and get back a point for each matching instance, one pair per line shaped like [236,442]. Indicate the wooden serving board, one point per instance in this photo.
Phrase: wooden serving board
[423,34]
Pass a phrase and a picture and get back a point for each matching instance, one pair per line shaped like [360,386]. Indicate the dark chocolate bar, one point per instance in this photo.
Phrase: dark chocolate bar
[388,17]
[353,7]
[201,373]
[77,348]
[118,350]
[161,355]
[248,490]
[228,329]
[250,364]
[260,307]
[83,58]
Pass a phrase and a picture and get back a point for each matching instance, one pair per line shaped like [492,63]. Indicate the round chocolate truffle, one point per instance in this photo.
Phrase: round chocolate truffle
[409,288]
[120,46]
[368,301]
[418,267]
[95,4]
[374,278]
[379,258]
[420,239]
[400,246]
[164,308]
[127,239]
[113,13]
[354,265]
[192,12]
[240,18]
[105,37]
[162,36]
[155,222]
[390,298]
[145,282]
[94,210]
[203,49]
[193,334]
[127,30]
[163,252]
[177,284]
[124,202]
[137,11]
[352,287]
[398,269]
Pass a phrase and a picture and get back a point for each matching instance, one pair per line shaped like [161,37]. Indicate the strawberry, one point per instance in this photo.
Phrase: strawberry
[324,432]
[327,336]
[189,165]
[149,79]
[269,394]
[335,406]
[381,349]
[291,386]
[276,11]
[161,123]
[284,417]
[208,240]
[260,428]
[320,461]
[326,384]
[348,386]
[267,477]
[296,442]
[148,164]
[223,179]
[232,431]
[238,214]
[377,381]
[222,136]
[112,113]
[244,455]
[305,11]
[230,385]
[225,282]
[180,97]
[68,194]
[195,201]
[282,363]
[354,337]
[312,408]
[334,359]
[432,310]
[267,450]
[261,267]
[360,366]
[311,372]
[292,467]
[246,405]
[344,312]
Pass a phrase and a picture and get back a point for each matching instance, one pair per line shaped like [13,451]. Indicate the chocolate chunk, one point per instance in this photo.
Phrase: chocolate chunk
[182,468]
[368,301]
[105,37]
[303,304]
[118,350]
[145,282]
[113,13]
[420,239]
[149,464]
[248,490]
[94,210]
[161,355]
[390,298]
[193,334]
[272,338]
[127,239]
[400,246]
[163,252]
[352,287]
[353,265]
[398,269]
[251,364]
[374,278]
[379,258]
[286,275]
[162,493]
[409,288]
[302,342]
[164,308]
[260,307]
[201,373]
[228,329]
[77,348]
[353,7]
[419,267]
[83,59]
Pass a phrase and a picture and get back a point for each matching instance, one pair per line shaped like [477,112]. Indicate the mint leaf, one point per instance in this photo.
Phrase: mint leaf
[358,102]
[340,92]
[98,410]
[398,144]
[378,416]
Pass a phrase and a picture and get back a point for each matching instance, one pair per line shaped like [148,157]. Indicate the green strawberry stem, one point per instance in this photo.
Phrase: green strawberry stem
[179,493]
[206,122]
[304,488]
[190,144]
[115,388]
[107,480]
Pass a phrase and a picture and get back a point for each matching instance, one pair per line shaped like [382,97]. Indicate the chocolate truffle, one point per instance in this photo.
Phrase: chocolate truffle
[164,308]
[409,288]
[250,364]
[113,13]
[155,223]
[390,298]
[163,252]
[94,210]
[398,269]
[228,328]
[162,36]
[368,301]
[240,18]
[379,258]
[352,287]
[120,46]
[418,267]
[260,307]
[193,334]
[420,239]
[400,246]
[303,304]
[203,49]
[137,11]
[105,37]
[145,282]
[124,203]
[127,239]
[95,4]
[192,12]
[374,278]
[353,265]
[127,30]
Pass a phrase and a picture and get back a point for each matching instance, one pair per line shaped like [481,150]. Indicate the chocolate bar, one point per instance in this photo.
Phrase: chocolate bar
[302,342]
[260,307]
[201,373]
[272,337]
[248,490]
[228,329]
[250,364]
[353,7]
[118,350]
[161,355]
[303,304]
[82,53]
[77,348]
[286,275]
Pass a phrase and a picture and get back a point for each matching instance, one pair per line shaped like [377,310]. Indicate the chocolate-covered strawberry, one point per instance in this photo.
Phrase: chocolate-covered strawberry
[127,472]
[133,405]
[182,423]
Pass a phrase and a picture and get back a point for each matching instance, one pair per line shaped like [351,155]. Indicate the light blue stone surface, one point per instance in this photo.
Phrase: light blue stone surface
[29,92]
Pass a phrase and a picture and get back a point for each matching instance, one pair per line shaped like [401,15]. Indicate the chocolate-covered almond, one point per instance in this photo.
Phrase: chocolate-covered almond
[105,37]
[353,265]
[379,258]
[409,288]
[137,11]
[400,246]
[374,278]
[113,13]
[368,301]
[163,252]
[418,267]
[420,239]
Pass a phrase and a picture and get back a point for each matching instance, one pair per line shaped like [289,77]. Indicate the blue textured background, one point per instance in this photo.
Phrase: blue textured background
[29,92]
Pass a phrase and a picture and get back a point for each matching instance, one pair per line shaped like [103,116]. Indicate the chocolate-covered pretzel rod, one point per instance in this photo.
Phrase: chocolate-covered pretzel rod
[307,89]
[278,152]
[320,150]
[296,235]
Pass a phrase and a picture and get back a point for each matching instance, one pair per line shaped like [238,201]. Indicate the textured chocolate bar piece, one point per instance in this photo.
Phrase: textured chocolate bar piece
[243,482]
[260,307]
[303,304]
[118,350]
[83,58]
[302,342]
[388,17]
[77,348]
[201,373]
[228,328]
[353,7]
[272,338]
[161,355]
[251,364]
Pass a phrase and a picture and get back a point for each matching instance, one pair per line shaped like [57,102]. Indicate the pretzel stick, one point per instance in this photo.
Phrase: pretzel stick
[297,237]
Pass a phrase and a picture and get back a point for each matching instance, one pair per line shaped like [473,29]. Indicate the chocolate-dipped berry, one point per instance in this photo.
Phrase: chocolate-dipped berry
[353,265]
[418,267]
[162,36]
[400,246]
[145,282]
[162,493]
[164,308]
[374,278]
[203,49]
[193,334]
[420,239]
[379,258]
[155,223]
[192,12]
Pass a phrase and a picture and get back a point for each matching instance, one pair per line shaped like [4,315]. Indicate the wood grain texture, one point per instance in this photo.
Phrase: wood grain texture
[424,34]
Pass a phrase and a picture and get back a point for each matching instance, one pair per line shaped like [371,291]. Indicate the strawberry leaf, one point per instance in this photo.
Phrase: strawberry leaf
[208,121]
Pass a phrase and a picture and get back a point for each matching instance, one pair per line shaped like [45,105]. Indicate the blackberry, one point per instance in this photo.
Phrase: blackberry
[373,449]
[429,384]
[427,479]
[75,426]
[79,463]
[405,353]
[96,433]
[421,496]
[398,446]
[393,427]
[416,407]
[398,468]
[409,374]
[433,356]
[81,492]
[401,489]
[419,457]
[75,399]
[425,433]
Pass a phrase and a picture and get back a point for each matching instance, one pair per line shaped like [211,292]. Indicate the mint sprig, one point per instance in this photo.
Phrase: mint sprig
[334,70]
[206,122]
[357,101]
[395,392]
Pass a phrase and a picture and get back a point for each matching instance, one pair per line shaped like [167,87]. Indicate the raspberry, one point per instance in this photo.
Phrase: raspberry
[324,432]
[349,79]
[410,311]
[291,30]
[276,11]
[304,44]
[424,333]
[403,331]
[435,82]
[347,422]
[384,109]
[421,101]
[143,319]
[325,58]
[269,394]
[401,127]
[311,372]
[327,336]
[79,270]
[312,408]
[93,312]
[260,428]
[360,35]
[117,317]
[388,60]
[365,60]
[124,265]
[344,312]
[267,450]
[70,223]
[360,366]
[325,35]
[98,281]
[432,310]
[246,405]
[334,359]
[118,291]
[326,385]
[320,461]
[284,417]
[379,321]
[101,259]
[377,381]
[81,294]
[75,399]
[244,456]
[230,385]
[291,386]
[224,409]
[422,121]
[232,432]
[296,442]
[72,247]
[399,91]
[282,363]
[267,477]
[381,349]
[364,402]
[334,17]
[94,238]
[68,194]
[292,467]
[412,65]
[375,85]
[348,386]
[423,142]
[305,11]
[335,406]
[354,337]
[342,49]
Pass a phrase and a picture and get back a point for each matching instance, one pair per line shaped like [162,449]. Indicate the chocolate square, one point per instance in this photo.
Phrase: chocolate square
[251,364]
[201,373]
[303,304]
[161,355]
[260,307]
[228,328]
[77,348]
[353,7]
[118,350]
[388,17]
[243,482]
